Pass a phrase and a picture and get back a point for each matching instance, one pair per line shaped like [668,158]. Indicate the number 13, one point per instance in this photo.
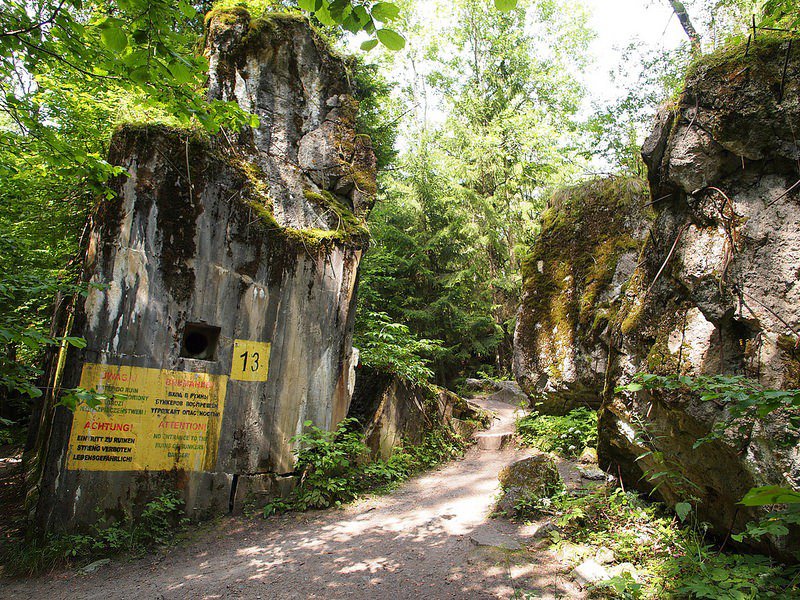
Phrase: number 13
[253,367]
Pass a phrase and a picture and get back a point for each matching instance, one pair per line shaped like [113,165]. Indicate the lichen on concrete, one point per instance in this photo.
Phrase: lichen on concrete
[716,288]
[229,232]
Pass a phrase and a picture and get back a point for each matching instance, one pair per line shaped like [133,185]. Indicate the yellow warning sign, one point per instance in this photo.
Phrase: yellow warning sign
[156,420]
[250,360]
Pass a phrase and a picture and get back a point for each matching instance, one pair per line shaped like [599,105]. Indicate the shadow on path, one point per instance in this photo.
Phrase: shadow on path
[413,543]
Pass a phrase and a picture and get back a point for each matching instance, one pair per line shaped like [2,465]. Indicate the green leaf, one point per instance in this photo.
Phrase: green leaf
[77,342]
[369,45]
[307,5]
[770,494]
[682,509]
[324,16]
[385,11]
[114,38]
[391,39]
[181,73]
[505,5]
[140,75]
[187,10]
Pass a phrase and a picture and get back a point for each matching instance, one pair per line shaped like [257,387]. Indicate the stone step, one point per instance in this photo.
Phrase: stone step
[493,441]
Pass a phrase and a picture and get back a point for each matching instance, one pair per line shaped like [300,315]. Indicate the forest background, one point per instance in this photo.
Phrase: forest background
[477,109]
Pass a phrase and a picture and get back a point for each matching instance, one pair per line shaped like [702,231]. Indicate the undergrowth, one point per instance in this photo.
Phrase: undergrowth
[566,435]
[335,466]
[672,551]
[160,522]
[674,559]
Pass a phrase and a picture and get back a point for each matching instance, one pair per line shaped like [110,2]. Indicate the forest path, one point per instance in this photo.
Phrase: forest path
[415,542]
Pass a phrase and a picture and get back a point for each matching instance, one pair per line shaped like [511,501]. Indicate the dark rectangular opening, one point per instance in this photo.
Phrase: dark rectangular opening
[199,341]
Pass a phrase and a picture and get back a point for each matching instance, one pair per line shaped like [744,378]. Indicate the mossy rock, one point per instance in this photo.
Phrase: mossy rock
[527,481]
[575,280]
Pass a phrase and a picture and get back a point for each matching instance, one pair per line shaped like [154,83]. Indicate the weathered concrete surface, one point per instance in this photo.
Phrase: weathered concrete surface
[723,168]
[306,143]
[394,413]
[712,288]
[232,234]
[573,281]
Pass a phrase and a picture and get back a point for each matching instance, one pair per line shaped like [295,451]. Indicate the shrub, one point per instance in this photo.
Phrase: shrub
[335,467]
[566,435]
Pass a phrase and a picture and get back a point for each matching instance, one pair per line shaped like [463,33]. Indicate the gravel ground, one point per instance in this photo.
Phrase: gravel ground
[413,543]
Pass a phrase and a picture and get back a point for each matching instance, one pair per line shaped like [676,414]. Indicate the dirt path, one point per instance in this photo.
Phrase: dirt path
[413,543]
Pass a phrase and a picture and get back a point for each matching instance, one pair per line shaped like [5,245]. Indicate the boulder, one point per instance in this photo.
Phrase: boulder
[573,281]
[527,480]
[491,538]
[393,412]
[590,572]
[717,289]
[588,456]
[706,284]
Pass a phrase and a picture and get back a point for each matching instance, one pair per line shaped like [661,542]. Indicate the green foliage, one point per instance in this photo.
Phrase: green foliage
[673,560]
[359,15]
[615,133]
[456,215]
[161,520]
[710,574]
[392,348]
[742,398]
[423,271]
[335,467]
[781,13]
[622,586]
[566,435]
[10,433]
[142,48]
[23,298]
[379,111]
[777,522]
[330,464]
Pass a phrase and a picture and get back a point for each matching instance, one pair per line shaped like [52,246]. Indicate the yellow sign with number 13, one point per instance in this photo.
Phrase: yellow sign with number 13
[250,360]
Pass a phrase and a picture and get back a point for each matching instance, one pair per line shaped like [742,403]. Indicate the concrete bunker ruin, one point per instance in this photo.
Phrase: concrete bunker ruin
[223,272]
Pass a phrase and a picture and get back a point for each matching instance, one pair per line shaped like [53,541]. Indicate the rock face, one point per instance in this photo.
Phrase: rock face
[220,317]
[394,412]
[315,165]
[573,281]
[715,290]
[726,242]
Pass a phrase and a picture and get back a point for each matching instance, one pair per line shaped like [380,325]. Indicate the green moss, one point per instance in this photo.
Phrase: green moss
[660,360]
[266,22]
[584,231]
[633,306]
[227,15]
[348,222]
[738,53]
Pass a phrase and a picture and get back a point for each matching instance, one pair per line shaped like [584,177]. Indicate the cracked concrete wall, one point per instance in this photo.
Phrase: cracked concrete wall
[240,234]
[723,168]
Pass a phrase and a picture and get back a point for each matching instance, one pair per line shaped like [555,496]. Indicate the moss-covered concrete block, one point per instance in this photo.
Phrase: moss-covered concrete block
[574,280]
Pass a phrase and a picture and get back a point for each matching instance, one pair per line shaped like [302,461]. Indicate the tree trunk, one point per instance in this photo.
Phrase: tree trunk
[683,16]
